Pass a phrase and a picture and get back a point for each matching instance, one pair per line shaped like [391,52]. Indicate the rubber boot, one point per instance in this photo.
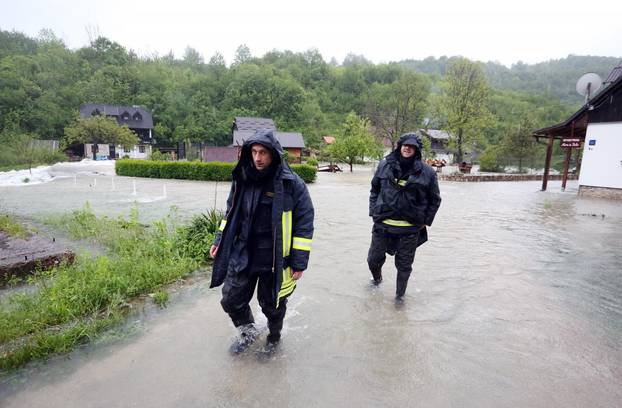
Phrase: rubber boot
[274,327]
[401,288]
[272,343]
[376,274]
[248,334]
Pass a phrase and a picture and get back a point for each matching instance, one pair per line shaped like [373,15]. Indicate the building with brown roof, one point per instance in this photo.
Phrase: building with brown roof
[597,127]
[138,119]
[291,142]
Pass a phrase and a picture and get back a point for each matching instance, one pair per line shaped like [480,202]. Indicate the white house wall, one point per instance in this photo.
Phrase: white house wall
[448,157]
[602,156]
[103,152]
[134,152]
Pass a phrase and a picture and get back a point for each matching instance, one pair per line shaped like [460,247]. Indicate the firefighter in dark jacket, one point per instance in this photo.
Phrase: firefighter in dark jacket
[265,238]
[404,199]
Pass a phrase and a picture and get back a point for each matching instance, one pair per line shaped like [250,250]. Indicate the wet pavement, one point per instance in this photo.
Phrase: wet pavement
[516,300]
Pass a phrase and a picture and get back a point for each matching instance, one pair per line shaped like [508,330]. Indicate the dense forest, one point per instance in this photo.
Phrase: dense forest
[43,83]
[555,78]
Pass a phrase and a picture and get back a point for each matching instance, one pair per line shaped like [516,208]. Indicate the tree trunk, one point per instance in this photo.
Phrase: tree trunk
[351,161]
[459,159]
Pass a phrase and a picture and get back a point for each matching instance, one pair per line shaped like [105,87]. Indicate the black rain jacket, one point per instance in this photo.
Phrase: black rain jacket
[292,219]
[415,201]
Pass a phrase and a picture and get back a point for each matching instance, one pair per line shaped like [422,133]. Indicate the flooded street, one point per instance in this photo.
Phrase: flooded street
[515,301]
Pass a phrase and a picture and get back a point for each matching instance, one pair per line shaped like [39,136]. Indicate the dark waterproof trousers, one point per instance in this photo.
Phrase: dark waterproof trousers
[238,290]
[402,246]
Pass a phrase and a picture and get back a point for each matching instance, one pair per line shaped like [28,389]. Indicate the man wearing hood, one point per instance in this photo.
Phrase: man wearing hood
[403,200]
[264,240]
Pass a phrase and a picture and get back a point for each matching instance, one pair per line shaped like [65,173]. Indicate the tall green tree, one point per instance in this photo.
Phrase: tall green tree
[98,129]
[519,143]
[103,51]
[242,55]
[266,92]
[355,141]
[398,107]
[217,60]
[18,91]
[463,103]
[192,57]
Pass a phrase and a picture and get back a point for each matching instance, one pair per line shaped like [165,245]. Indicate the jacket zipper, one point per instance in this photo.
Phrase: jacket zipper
[235,190]
[274,253]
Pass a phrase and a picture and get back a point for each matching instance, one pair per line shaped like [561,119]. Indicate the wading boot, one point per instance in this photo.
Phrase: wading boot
[400,288]
[376,274]
[248,334]
[272,343]
[271,346]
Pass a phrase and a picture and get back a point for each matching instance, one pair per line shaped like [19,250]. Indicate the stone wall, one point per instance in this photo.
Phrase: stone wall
[20,257]
[500,177]
[601,192]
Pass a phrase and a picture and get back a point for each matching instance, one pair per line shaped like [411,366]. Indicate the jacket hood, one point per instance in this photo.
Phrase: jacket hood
[266,138]
[411,138]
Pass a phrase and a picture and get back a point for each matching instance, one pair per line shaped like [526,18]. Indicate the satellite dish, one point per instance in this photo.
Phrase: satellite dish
[588,84]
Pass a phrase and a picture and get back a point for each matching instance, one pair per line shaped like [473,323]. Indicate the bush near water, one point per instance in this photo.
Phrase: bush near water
[194,170]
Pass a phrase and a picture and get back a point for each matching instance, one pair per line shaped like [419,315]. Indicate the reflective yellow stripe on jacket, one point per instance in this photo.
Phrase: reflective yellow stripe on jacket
[221,227]
[304,244]
[288,284]
[397,223]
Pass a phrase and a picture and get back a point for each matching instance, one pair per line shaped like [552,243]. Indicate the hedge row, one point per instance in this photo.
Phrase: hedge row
[212,171]
[306,172]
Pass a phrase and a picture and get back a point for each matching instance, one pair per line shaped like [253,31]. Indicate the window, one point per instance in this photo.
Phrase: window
[127,150]
[125,115]
[141,149]
[138,117]
[95,112]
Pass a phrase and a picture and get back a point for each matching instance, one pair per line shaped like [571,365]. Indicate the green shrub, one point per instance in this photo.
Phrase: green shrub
[197,238]
[161,298]
[307,173]
[157,155]
[19,150]
[211,171]
[488,160]
[311,161]
[13,228]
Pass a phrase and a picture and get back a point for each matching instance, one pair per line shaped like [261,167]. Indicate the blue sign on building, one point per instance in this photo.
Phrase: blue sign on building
[592,142]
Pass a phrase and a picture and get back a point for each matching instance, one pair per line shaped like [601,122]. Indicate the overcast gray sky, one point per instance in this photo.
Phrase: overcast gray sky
[382,30]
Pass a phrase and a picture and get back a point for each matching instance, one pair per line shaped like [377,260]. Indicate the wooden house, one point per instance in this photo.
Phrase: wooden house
[597,127]
[138,119]
[291,142]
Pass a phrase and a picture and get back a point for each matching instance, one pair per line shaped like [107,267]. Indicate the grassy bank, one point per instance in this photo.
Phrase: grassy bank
[73,303]
[12,227]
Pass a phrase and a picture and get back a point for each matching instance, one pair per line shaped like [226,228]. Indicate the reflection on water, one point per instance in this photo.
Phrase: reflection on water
[515,301]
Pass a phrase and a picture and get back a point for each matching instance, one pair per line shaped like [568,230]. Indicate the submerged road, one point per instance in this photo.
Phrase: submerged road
[516,300]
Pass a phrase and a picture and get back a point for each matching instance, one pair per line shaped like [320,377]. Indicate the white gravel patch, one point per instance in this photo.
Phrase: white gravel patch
[45,174]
